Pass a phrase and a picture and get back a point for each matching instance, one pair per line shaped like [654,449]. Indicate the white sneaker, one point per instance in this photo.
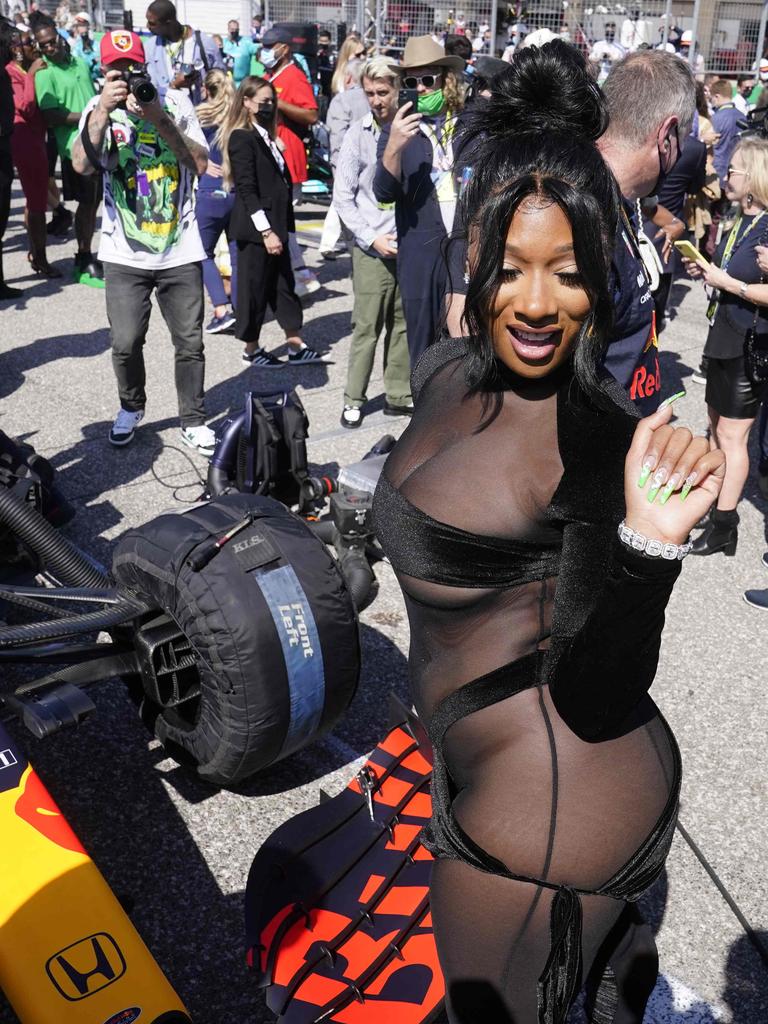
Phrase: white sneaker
[201,438]
[306,281]
[124,427]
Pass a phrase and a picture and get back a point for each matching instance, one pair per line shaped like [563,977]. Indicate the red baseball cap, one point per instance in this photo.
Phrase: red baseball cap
[119,45]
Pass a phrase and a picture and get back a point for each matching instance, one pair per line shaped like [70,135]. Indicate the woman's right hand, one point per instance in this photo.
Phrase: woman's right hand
[404,127]
[762,258]
[272,244]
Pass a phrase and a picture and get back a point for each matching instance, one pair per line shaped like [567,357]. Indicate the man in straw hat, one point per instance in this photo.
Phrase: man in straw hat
[415,172]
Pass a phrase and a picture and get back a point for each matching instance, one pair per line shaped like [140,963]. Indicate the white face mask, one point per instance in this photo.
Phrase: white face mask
[764,76]
[268,58]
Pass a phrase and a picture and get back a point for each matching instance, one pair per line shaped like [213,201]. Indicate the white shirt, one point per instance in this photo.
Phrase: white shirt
[148,217]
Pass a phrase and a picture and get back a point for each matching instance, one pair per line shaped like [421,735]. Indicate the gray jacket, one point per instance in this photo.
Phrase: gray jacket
[353,197]
[345,108]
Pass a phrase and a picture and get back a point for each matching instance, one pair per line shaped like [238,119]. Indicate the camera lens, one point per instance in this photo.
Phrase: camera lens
[144,91]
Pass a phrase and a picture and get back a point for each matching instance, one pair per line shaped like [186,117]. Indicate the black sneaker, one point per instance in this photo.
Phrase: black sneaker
[398,410]
[307,355]
[757,598]
[263,360]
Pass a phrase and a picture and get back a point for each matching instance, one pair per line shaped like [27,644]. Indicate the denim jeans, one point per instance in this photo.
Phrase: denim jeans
[213,213]
[179,293]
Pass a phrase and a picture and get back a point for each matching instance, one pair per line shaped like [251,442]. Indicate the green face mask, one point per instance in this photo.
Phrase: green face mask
[431,103]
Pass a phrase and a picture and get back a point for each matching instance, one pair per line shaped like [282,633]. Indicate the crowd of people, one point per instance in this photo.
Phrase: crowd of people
[512,227]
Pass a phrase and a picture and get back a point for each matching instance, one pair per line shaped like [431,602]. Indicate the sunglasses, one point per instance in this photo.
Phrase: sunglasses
[358,56]
[734,170]
[412,81]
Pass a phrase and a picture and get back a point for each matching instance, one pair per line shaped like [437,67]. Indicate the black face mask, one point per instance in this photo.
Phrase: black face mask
[234,36]
[265,113]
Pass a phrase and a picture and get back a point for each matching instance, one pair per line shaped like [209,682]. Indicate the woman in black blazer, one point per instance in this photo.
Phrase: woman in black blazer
[261,219]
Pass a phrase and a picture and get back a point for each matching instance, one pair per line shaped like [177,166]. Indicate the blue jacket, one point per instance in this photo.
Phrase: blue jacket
[725,122]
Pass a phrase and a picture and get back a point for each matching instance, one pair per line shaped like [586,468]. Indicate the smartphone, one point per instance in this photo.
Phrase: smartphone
[690,252]
[408,96]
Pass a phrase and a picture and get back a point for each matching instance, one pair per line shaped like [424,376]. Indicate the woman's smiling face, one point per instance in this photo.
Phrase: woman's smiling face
[541,302]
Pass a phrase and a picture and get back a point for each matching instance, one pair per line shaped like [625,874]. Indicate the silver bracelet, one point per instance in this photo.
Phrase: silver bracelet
[651,548]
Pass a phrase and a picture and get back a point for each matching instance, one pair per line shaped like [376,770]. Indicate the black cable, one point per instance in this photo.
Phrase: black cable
[175,488]
[754,938]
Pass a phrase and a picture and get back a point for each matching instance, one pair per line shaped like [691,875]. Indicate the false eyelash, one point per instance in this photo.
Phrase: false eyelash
[572,280]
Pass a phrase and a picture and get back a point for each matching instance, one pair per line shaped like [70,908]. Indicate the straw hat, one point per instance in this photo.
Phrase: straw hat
[424,52]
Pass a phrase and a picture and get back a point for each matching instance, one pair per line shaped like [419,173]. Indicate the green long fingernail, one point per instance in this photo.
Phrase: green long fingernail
[652,493]
[667,492]
[670,400]
[645,472]
[689,482]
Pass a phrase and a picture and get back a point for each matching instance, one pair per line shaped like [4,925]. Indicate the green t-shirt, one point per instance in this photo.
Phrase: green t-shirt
[67,87]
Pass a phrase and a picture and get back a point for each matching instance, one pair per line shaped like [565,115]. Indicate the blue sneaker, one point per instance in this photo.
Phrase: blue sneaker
[220,323]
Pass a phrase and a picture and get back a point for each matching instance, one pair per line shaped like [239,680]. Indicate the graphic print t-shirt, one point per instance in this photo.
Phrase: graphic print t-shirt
[149,211]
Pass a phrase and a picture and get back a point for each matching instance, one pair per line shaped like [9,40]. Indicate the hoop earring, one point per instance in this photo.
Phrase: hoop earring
[750,199]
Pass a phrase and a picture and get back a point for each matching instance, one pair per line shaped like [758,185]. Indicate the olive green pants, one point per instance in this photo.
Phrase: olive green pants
[378,307]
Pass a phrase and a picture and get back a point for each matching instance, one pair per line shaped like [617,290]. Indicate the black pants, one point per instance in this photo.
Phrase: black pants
[129,302]
[264,280]
[6,180]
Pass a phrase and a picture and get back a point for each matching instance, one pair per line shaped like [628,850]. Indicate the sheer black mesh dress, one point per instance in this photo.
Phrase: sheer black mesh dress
[534,641]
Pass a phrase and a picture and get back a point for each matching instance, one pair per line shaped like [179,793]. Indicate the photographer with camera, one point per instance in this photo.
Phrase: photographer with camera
[149,150]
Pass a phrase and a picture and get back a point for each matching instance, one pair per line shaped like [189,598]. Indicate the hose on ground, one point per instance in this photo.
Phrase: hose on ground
[89,622]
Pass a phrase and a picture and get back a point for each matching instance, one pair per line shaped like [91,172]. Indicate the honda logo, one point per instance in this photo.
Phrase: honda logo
[86,967]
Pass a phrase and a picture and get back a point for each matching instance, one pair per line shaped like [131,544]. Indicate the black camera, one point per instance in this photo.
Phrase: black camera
[140,86]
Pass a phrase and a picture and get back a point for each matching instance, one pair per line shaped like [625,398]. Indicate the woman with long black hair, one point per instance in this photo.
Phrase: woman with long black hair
[535,611]
[261,220]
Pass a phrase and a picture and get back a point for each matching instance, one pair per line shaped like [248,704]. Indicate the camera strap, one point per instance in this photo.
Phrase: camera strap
[95,159]
[201,48]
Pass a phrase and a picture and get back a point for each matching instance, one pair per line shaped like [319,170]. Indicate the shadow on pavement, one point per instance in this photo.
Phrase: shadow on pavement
[17,362]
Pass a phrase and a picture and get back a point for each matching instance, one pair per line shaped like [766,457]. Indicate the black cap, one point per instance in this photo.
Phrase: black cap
[275,35]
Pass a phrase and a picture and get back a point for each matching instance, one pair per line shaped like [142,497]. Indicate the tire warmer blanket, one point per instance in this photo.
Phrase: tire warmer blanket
[68,952]
[337,904]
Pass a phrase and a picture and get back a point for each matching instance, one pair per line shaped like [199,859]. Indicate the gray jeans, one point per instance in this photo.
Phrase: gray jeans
[180,298]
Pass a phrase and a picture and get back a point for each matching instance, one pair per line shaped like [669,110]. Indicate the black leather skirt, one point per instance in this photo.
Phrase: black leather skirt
[729,390]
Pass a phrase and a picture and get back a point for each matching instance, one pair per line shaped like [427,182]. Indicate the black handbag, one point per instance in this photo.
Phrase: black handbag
[756,355]
[756,349]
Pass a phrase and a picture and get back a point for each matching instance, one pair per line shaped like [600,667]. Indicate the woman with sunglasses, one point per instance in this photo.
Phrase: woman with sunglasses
[351,49]
[416,172]
[738,304]
[535,612]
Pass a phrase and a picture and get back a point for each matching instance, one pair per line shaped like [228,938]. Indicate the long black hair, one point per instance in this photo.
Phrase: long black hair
[8,34]
[536,136]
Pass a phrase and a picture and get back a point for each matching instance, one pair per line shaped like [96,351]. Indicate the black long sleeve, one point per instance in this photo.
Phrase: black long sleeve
[599,673]
[242,160]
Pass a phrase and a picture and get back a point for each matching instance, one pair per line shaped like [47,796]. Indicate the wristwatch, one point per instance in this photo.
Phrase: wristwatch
[743,289]
[651,548]
[267,232]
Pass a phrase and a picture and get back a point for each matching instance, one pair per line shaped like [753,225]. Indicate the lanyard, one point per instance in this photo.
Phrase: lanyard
[732,244]
[442,145]
[631,242]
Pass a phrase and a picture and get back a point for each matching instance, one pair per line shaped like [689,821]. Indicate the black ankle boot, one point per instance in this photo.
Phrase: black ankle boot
[720,534]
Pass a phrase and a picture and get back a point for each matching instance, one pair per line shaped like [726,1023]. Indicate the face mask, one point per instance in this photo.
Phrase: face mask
[265,112]
[234,36]
[764,76]
[268,58]
[430,103]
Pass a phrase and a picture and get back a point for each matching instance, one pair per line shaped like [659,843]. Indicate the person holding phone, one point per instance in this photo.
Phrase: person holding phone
[738,304]
[415,171]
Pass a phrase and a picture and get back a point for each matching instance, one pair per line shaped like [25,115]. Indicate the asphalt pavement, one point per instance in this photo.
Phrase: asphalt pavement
[176,851]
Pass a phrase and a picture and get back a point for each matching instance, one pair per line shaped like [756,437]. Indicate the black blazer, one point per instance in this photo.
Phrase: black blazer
[259,184]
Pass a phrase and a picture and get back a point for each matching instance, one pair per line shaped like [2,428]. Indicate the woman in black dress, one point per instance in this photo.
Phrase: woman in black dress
[535,618]
[739,301]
